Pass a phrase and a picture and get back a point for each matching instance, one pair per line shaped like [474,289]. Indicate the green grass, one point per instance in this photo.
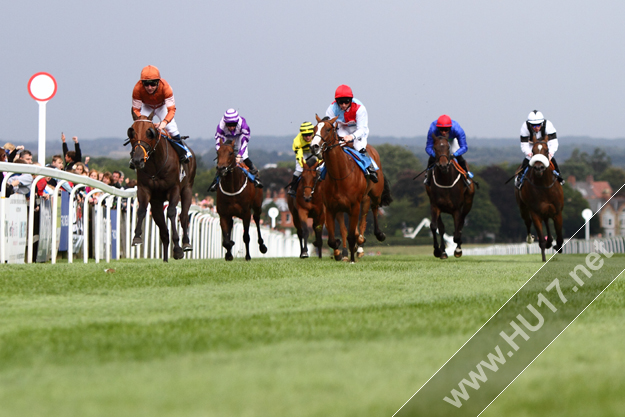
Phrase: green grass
[283,337]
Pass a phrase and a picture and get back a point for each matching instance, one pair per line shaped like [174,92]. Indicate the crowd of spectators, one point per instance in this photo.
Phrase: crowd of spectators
[70,161]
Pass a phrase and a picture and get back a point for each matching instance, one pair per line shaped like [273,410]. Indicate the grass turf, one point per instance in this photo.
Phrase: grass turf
[280,337]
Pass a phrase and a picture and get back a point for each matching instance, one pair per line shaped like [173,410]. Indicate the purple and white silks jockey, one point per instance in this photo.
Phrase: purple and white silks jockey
[240,135]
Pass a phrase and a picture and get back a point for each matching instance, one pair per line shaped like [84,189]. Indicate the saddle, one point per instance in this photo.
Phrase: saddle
[361,160]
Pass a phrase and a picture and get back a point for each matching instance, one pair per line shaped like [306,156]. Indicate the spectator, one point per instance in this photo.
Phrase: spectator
[80,169]
[87,158]
[71,157]
[20,183]
[116,179]
[107,178]
[12,151]
[27,156]
[131,183]
[57,162]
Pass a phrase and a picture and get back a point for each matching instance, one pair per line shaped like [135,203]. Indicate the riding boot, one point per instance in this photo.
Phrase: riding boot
[213,186]
[373,176]
[518,181]
[556,171]
[463,165]
[180,149]
[254,172]
[292,191]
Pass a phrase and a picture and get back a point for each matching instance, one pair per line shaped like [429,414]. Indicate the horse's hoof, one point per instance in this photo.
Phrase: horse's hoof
[263,248]
[345,259]
[381,237]
[303,255]
[361,240]
[337,255]
[248,258]
[178,253]
[137,241]
[187,247]
[444,255]
[229,257]
[530,239]
[360,252]
[437,252]
[458,253]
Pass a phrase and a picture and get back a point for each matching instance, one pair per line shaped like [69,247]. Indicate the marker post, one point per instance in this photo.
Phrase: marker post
[42,87]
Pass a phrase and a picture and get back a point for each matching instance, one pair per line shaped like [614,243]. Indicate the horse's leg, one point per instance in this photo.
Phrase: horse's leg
[226,229]
[365,205]
[318,221]
[159,219]
[332,242]
[175,237]
[257,209]
[302,231]
[247,217]
[435,213]
[344,254]
[353,233]
[538,225]
[143,198]
[186,196]
[557,224]
[441,231]
[525,215]
[548,238]
[458,224]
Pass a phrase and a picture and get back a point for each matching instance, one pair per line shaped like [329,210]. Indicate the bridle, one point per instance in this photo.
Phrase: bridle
[147,147]
[325,146]
[229,168]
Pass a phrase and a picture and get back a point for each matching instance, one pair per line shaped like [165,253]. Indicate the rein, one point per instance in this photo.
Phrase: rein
[152,149]
[325,147]
[445,186]
[226,171]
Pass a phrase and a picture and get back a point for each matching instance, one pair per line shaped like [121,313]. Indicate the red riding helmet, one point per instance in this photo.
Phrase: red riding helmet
[343,91]
[443,121]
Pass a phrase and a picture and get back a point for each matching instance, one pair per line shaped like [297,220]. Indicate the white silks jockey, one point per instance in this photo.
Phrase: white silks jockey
[352,123]
[537,128]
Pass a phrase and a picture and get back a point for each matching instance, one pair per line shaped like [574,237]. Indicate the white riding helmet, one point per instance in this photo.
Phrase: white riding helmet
[535,118]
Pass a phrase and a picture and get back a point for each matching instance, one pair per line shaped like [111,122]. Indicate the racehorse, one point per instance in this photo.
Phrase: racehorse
[161,177]
[541,199]
[448,194]
[346,189]
[236,196]
[308,203]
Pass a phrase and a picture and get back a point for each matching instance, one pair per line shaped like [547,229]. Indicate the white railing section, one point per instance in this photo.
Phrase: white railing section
[572,246]
[204,226]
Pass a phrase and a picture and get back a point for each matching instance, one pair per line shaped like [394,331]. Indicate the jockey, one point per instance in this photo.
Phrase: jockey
[301,147]
[451,130]
[353,123]
[234,127]
[153,94]
[536,127]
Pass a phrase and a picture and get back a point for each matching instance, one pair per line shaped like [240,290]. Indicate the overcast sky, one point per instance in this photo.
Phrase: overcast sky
[485,63]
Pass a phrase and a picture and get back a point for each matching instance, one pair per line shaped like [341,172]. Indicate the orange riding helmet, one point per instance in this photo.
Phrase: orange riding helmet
[150,73]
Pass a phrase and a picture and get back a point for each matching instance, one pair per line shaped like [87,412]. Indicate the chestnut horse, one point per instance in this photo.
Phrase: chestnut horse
[236,196]
[541,198]
[308,203]
[346,189]
[158,180]
[448,194]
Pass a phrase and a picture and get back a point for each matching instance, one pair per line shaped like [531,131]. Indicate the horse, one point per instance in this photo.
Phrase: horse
[448,194]
[308,203]
[236,196]
[541,199]
[346,189]
[159,179]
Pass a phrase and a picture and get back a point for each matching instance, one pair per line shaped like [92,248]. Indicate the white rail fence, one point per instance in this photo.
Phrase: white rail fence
[572,246]
[112,229]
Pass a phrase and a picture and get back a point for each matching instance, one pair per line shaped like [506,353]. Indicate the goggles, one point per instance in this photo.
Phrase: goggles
[150,83]
[344,100]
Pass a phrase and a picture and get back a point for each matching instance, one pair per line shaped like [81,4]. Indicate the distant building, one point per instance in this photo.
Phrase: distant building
[597,193]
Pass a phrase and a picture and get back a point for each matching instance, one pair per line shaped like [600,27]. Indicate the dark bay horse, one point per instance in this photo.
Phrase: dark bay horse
[159,180]
[308,203]
[236,196]
[448,194]
[346,189]
[541,198]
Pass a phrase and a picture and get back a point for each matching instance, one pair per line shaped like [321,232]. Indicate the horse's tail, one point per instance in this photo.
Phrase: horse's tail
[386,198]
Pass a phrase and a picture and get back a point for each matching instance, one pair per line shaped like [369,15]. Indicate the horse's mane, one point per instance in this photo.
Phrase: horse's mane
[325,118]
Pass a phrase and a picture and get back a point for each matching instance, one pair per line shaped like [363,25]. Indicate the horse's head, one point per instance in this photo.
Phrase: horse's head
[226,158]
[324,135]
[441,150]
[143,137]
[309,179]
[540,159]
